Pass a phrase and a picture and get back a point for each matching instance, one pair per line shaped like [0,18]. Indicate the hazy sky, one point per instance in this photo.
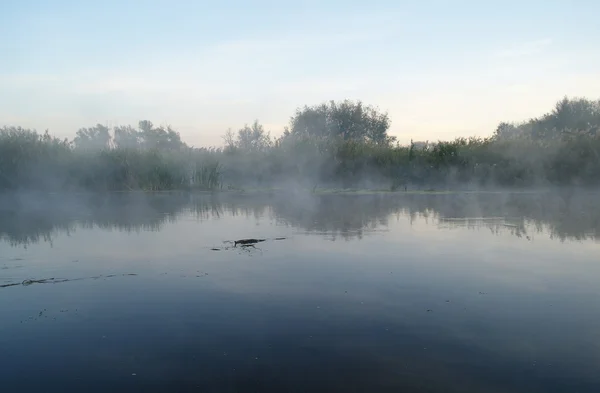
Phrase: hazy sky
[440,68]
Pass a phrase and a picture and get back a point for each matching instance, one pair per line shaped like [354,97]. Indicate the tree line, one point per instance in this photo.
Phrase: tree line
[336,144]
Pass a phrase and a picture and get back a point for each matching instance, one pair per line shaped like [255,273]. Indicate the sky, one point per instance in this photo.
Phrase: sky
[441,69]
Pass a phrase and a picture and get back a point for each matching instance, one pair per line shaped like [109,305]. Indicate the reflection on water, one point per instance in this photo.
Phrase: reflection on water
[565,216]
[470,292]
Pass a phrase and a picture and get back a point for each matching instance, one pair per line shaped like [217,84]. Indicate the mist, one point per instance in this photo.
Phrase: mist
[328,250]
[333,145]
[28,218]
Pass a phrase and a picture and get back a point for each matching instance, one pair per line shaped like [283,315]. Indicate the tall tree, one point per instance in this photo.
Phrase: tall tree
[97,137]
[577,114]
[347,120]
[127,137]
[253,138]
[147,136]
[162,138]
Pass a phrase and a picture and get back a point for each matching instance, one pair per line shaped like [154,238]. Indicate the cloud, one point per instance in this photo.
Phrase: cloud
[523,49]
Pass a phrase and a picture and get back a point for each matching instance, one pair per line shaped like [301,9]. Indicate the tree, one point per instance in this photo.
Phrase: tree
[507,131]
[127,137]
[248,138]
[229,139]
[347,120]
[577,114]
[574,114]
[97,137]
[159,137]
[147,136]
[253,138]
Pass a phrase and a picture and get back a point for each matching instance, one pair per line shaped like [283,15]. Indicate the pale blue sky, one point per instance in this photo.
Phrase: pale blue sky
[440,68]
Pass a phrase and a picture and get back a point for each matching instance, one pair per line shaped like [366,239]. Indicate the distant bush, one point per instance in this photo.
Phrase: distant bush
[29,160]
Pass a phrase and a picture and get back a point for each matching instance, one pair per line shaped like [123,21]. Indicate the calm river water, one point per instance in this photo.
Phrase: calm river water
[463,292]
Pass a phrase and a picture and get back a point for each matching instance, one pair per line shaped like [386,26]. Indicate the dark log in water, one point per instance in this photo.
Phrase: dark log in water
[247,242]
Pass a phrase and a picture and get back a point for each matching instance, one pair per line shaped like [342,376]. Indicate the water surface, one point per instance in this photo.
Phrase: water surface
[413,293]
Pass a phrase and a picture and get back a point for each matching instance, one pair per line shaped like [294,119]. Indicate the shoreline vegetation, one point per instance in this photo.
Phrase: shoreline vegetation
[327,148]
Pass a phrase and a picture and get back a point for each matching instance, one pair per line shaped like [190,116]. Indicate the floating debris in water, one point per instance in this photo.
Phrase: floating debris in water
[54,280]
[247,242]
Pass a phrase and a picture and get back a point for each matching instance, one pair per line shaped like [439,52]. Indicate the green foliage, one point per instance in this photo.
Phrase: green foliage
[346,120]
[29,160]
[97,137]
[572,159]
[147,136]
[568,115]
[253,138]
[339,145]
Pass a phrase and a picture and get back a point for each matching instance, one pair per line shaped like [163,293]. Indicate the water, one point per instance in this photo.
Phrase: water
[414,293]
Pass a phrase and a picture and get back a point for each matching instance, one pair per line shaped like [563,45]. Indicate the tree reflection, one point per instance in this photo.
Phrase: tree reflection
[567,215]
